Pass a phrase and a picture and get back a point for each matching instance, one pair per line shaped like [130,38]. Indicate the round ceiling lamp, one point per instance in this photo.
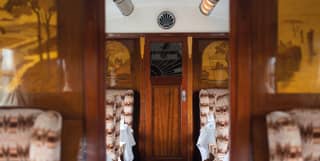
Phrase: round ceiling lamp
[125,6]
[206,6]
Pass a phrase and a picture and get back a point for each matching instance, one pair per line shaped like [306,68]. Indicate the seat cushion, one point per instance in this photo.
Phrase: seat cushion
[284,137]
[30,134]
[15,132]
[119,105]
[308,121]
[45,142]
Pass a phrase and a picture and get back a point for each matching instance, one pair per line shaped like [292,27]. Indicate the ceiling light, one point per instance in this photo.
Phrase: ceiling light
[125,6]
[206,6]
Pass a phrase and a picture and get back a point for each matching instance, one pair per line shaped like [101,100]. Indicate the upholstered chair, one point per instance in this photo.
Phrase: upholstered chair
[30,135]
[215,124]
[294,135]
[119,118]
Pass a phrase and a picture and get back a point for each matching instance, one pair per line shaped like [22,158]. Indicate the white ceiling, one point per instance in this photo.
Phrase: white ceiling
[188,17]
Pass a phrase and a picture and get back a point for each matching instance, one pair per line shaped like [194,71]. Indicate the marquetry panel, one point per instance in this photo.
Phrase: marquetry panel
[166,124]
[73,146]
[211,63]
[122,63]
[297,64]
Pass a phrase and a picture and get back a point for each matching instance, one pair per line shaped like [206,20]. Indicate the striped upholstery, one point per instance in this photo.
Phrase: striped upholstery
[119,103]
[216,102]
[30,135]
[294,135]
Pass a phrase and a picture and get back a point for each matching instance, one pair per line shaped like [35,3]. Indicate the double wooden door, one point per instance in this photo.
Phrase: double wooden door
[166,106]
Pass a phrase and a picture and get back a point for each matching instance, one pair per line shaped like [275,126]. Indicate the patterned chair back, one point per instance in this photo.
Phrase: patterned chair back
[30,135]
[216,102]
[294,135]
[119,103]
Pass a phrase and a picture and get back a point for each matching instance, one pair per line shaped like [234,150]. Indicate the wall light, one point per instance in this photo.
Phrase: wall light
[206,6]
[125,6]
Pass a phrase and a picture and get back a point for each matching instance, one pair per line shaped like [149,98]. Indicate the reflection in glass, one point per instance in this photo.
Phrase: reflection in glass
[166,59]
[270,76]
[10,93]
[298,59]
[29,58]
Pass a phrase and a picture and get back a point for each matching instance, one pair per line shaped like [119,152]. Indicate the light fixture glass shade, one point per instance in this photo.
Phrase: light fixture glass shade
[125,6]
[206,6]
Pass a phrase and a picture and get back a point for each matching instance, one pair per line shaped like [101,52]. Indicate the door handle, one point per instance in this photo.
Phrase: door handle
[183,95]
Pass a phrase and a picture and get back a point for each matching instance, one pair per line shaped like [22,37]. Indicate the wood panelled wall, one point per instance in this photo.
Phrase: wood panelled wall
[264,47]
[240,83]
[94,84]
[251,43]
[69,104]
[241,45]
[136,83]
[199,45]
[166,126]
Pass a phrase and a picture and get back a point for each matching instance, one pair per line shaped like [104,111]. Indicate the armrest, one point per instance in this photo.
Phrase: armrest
[283,137]
[46,137]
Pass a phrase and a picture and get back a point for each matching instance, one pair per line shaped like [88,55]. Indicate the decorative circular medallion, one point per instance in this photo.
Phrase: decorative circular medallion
[166,20]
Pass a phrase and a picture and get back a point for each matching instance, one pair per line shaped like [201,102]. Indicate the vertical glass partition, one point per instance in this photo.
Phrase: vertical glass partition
[41,62]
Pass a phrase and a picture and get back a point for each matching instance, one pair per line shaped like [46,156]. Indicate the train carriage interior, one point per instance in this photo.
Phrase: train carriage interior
[170,80]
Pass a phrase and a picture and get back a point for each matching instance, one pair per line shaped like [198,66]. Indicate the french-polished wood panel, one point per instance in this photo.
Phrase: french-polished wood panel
[259,137]
[166,113]
[94,83]
[72,135]
[186,139]
[193,35]
[69,104]
[240,84]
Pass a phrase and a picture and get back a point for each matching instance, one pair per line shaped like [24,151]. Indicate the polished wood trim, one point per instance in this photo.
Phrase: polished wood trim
[142,44]
[185,111]
[165,80]
[190,42]
[94,80]
[194,35]
[191,142]
[240,84]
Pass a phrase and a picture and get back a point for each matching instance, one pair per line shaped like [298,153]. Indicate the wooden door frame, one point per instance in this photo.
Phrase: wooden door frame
[184,85]
[240,83]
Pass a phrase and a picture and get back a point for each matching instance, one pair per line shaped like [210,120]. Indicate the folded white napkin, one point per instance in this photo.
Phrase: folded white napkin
[207,136]
[126,138]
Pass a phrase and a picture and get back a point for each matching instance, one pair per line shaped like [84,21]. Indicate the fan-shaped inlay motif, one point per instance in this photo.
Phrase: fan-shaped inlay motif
[166,20]
[166,59]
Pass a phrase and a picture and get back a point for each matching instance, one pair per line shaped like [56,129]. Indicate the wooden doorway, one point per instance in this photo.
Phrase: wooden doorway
[166,106]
